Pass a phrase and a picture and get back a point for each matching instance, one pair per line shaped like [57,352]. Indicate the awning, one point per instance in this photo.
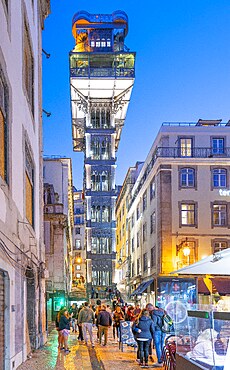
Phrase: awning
[142,287]
[202,287]
[222,285]
[216,264]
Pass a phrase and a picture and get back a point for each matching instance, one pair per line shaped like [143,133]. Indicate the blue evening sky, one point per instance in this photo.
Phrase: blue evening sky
[182,71]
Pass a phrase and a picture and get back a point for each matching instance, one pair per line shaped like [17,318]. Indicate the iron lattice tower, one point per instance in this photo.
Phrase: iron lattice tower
[102,73]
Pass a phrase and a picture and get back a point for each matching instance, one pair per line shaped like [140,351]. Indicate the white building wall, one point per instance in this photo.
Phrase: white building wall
[24,242]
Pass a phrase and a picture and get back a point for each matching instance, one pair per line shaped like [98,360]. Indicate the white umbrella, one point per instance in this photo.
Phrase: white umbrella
[216,264]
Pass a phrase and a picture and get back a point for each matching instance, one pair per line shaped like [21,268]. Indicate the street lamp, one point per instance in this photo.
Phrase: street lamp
[185,248]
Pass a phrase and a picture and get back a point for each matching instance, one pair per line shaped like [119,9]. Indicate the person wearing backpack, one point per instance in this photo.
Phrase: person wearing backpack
[156,315]
[143,330]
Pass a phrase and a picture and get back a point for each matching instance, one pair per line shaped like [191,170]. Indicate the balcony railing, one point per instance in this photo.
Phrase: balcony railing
[102,72]
[181,152]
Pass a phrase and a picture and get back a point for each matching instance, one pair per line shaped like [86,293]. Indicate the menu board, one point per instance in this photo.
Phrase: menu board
[126,334]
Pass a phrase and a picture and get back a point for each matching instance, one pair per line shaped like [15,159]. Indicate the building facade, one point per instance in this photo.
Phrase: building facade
[101,79]
[79,248]
[22,253]
[179,212]
[58,228]
[122,236]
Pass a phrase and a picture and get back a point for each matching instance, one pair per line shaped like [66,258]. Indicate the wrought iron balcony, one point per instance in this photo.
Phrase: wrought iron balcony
[181,152]
[114,65]
[102,72]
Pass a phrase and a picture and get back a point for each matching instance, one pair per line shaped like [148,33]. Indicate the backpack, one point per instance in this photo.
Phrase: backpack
[167,324]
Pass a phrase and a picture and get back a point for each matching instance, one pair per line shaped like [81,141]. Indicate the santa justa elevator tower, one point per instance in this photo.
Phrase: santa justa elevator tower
[102,72]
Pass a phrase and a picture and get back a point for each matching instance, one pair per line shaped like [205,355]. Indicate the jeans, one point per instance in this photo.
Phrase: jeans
[117,330]
[143,350]
[87,326]
[159,338]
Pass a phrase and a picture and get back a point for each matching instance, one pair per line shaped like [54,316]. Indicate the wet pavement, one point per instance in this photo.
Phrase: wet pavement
[82,357]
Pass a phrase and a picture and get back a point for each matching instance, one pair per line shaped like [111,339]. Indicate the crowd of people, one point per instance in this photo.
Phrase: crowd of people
[146,326]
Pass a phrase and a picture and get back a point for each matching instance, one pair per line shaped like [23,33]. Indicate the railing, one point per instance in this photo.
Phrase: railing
[178,152]
[102,72]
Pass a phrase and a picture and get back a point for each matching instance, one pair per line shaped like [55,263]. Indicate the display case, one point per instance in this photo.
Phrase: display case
[202,340]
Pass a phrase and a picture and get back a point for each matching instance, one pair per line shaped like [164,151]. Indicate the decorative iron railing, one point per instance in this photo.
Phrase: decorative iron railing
[179,152]
[102,72]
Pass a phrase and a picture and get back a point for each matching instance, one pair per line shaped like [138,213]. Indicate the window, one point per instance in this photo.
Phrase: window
[138,266]
[28,65]
[144,232]
[132,245]
[78,276]
[219,178]
[138,239]
[144,201]
[217,145]
[78,267]
[92,43]
[153,256]
[152,189]
[98,43]
[108,43]
[219,215]
[3,130]
[103,43]
[187,177]
[185,146]
[145,262]
[77,230]
[219,246]
[132,220]
[77,244]
[29,186]
[100,117]
[153,222]
[101,245]
[138,211]
[187,214]
[132,269]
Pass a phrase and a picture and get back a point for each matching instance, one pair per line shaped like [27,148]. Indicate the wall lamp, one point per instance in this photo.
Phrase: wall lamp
[184,246]
[46,54]
[48,114]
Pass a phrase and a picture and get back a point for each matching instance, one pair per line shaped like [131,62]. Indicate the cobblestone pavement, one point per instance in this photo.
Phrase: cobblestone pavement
[81,357]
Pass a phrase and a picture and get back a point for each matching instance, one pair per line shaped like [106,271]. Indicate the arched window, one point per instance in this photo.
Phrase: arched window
[103,43]
[98,214]
[105,217]
[93,118]
[93,214]
[98,43]
[105,181]
[102,118]
[97,118]
[108,118]
[95,148]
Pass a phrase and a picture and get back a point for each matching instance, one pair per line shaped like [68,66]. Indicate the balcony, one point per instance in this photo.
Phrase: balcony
[179,152]
[108,65]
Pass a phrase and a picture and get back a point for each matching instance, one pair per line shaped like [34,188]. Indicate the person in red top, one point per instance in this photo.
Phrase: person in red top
[137,310]
[130,314]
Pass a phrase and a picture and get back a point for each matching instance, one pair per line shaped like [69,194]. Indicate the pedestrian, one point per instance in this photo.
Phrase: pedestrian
[137,310]
[104,321]
[156,315]
[80,332]
[108,309]
[118,316]
[86,318]
[64,326]
[143,330]
[73,315]
[57,320]
[129,316]
[98,309]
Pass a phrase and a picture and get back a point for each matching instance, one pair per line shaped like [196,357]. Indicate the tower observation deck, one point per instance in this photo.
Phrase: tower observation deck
[102,72]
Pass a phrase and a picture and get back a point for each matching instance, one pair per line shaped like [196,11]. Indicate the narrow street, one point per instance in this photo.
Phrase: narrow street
[82,357]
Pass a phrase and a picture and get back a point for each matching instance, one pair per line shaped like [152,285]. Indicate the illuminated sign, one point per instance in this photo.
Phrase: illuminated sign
[224,193]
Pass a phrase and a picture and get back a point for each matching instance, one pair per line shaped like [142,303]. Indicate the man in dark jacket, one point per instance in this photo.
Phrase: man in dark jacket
[157,314]
[104,321]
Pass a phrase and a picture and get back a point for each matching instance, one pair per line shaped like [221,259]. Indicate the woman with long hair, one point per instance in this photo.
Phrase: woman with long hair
[64,326]
[118,316]
[143,330]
